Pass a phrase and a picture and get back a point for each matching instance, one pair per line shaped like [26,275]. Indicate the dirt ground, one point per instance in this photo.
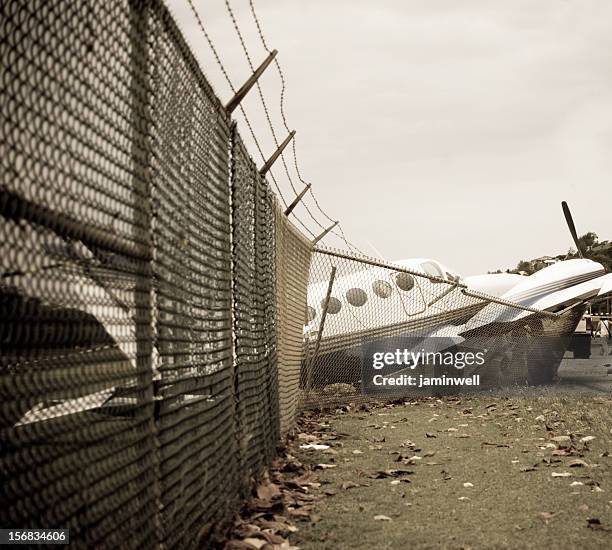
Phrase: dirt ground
[529,469]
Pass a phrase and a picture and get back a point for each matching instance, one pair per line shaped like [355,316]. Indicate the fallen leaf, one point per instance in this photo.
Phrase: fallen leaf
[428,434]
[324,466]
[576,483]
[561,474]
[577,463]
[357,452]
[380,517]
[381,474]
[268,491]
[314,446]
[559,452]
[587,438]
[349,485]
[595,523]
[547,515]
[463,499]
[562,440]
[468,484]
[255,543]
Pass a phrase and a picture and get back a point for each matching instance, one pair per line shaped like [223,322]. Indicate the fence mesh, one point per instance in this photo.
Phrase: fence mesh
[138,365]
[375,304]
[75,261]
[293,252]
[254,312]
[189,169]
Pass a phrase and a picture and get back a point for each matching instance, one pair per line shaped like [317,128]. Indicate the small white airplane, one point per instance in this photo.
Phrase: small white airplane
[376,303]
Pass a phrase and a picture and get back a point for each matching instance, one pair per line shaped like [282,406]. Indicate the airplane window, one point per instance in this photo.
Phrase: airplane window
[334,305]
[356,297]
[404,281]
[382,289]
[310,314]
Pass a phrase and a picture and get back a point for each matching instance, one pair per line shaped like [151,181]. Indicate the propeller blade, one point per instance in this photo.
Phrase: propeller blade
[572,227]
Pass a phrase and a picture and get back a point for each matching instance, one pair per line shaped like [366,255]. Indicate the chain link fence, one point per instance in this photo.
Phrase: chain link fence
[148,357]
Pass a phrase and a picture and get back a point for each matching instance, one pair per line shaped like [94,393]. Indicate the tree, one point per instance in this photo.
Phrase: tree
[525,266]
[588,240]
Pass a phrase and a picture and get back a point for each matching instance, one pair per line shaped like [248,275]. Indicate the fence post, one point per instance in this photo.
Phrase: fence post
[140,93]
[332,276]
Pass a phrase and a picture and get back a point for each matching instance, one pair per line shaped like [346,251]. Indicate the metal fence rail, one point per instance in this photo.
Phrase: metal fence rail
[150,333]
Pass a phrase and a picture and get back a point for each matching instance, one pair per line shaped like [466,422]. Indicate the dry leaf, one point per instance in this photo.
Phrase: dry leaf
[324,466]
[381,474]
[562,440]
[255,543]
[314,446]
[561,474]
[380,517]
[268,491]
[595,523]
[577,463]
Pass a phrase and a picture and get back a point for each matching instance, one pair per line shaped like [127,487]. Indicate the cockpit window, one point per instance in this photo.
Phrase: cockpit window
[382,289]
[404,281]
[356,297]
[432,269]
[333,307]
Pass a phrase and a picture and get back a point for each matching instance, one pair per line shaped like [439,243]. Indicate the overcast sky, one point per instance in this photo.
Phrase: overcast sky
[435,128]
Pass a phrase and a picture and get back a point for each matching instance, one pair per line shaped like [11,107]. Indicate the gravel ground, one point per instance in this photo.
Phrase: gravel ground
[527,469]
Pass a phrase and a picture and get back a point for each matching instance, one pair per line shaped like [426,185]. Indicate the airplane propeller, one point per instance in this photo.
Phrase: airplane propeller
[572,227]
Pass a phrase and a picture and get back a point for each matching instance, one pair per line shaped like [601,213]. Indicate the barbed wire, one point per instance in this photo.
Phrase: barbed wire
[265,107]
[225,74]
[286,124]
[241,107]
